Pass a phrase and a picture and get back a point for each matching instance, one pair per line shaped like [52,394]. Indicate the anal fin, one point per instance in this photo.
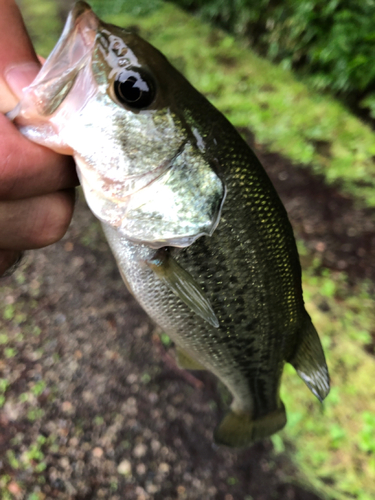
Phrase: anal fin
[124,279]
[183,285]
[238,429]
[309,361]
[185,361]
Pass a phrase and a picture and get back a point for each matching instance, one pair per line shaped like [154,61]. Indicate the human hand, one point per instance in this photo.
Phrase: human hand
[36,184]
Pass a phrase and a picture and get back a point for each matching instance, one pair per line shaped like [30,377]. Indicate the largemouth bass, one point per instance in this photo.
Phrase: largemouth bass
[200,236]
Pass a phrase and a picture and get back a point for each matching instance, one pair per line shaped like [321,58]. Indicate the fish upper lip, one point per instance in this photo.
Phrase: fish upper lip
[80,17]
[84,18]
[73,47]
[71,53]
[78,9]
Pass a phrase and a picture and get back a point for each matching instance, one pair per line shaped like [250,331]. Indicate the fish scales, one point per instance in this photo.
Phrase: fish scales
[199,233]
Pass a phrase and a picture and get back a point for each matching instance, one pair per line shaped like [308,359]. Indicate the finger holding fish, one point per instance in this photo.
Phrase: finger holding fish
[36,198]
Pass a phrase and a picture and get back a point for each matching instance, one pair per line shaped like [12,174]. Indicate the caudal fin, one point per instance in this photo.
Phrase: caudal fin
[238,429]
[309,361]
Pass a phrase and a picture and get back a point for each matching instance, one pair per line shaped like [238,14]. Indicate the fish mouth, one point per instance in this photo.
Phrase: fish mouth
[58,74]
[74,45]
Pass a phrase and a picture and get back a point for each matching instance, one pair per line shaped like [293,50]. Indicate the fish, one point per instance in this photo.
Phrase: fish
[200,235]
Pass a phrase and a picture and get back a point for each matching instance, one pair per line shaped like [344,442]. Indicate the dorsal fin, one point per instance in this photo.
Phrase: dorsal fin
[309,361]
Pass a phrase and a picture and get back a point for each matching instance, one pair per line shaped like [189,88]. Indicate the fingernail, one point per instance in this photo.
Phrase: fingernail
[20,76]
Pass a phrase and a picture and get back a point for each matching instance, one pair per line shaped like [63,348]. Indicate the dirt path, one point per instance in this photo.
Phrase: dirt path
[118,420]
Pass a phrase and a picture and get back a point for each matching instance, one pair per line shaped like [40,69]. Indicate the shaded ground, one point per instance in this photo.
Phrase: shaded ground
[117,420]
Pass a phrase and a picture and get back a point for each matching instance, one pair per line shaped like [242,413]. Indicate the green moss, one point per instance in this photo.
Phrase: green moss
[98,420]
[232,481]
[8,312]
[10,352]
[165,339]
[34,414]
[38,388]
[3,338]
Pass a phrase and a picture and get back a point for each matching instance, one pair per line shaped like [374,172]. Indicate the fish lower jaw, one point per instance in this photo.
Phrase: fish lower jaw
[42,133]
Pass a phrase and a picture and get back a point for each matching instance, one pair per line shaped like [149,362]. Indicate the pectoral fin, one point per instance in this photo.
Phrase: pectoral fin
[187,362]
[310,363]
[183,285]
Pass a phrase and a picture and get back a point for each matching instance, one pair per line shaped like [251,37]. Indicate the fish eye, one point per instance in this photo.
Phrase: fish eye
[134,88]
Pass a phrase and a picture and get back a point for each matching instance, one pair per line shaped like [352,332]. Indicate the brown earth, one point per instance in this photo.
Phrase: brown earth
[121,421]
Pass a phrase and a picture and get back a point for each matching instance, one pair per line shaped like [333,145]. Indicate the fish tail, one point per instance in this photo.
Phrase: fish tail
[309,361]
[238,429]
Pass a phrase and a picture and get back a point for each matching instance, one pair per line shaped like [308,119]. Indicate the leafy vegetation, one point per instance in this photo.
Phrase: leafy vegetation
[138,8]
[330,41]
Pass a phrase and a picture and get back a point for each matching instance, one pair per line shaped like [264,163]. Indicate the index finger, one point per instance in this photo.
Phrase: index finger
[15,49]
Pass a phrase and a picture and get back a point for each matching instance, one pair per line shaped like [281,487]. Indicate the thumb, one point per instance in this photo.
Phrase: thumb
[18,76]
[18,61]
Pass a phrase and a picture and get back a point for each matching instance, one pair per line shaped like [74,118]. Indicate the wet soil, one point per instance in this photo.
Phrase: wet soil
[121,421]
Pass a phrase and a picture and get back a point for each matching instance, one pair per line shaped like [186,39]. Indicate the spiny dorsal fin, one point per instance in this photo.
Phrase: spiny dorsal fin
[309,361]
[183,285]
